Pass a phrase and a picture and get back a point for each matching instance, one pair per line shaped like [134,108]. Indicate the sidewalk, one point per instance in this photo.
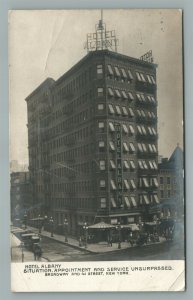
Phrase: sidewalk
[102,247]
[16,251]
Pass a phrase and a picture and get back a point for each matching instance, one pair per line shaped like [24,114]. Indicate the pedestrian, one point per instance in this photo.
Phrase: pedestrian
[37,252]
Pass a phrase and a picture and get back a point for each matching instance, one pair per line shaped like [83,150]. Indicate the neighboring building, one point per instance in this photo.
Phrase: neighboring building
[16,167]
[21,194]
[93,141]
[171,184]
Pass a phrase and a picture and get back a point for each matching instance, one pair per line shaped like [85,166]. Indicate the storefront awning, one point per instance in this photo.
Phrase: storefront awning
[101,225]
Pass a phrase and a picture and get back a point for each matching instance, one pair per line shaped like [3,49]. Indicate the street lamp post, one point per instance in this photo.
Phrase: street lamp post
[45,221]
[52,227]
[40,224]
[66,230]
[22,252]
[25,220]
[119,235]
[85,227]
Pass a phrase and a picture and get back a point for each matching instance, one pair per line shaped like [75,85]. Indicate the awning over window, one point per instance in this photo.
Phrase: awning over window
[155,182]
[112,164]
[130,96]
[125,147]
[125,113]
[113,203]
[117,72]
[117,93]
[111,109]
[126,165]
[112,146]
[133,186]
[133,201]
[131,129]
[124,95]
[130,75]
[125,129]
[131,113]
[132,164]
[131,147]
[110,92]
[113,186]
[145,198]
[126,184]
[110,70]
[145,182]
[123,73]
[155,197]
[127,203]
[111,127]
[118,110]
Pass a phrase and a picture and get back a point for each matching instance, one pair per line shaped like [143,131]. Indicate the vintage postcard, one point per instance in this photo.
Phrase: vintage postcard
[96,150]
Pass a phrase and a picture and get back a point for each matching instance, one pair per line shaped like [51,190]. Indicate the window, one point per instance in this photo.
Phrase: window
[103,202]
[125,147]
[117,93]
[125,129]
[110,70]
[101,126]
[99,71]
[154,164]
[150,148]
[102,165]
[111,127]
[169,193]
[101,144]
[112,146]
[132,165]
[161,180]
[151,165]
[118,110]
[117,72]
[124,95]
[110,92]
[125,113]
[131,147]
[144,199]
[143,114]
[151,79]
[112,164]
[125,164]
[111,109]
[150,130]
[138,113]
[100,106]
[100,91]
[130,96]
[131,113]
[168,180]
[126,184]
[102,183]
[113,186]
[131,130]
[162,194]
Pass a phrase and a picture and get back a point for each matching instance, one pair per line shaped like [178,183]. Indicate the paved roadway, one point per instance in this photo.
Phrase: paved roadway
[54,251]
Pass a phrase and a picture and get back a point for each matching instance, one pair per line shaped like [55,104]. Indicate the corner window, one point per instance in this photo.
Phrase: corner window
[100,91]
[99,71]
[103,203]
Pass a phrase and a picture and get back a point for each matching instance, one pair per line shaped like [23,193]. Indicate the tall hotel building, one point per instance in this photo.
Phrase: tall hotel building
[93,142]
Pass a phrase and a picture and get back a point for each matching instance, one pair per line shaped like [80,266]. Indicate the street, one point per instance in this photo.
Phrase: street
[55,251]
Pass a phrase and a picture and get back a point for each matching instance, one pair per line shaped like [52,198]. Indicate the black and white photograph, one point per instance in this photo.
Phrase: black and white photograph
[97,148]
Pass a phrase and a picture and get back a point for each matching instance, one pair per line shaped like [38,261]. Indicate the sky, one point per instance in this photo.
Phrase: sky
[48,43]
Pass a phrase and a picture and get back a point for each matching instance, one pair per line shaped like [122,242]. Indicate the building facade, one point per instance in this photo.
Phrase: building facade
[21,194]
[93,142]
[171,184]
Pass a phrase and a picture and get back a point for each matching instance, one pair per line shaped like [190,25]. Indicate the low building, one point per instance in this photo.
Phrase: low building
[171,184]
